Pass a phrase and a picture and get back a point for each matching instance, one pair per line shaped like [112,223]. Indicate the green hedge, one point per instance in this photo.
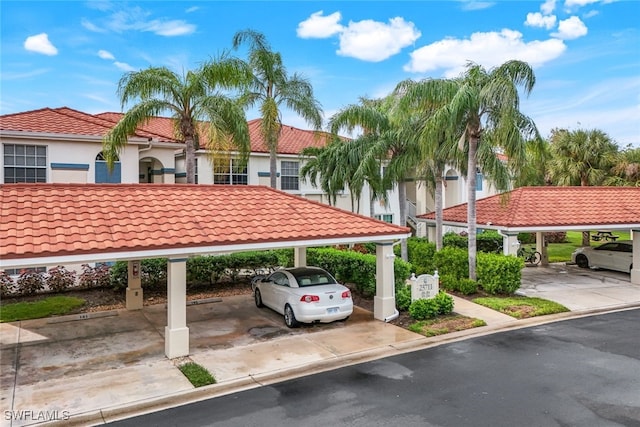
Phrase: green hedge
[347,266]
[499,274]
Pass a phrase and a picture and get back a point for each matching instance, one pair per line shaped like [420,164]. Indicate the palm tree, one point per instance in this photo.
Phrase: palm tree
[581,157]
[627,169]
[390,144]
[199,110]
[480,110]
[270,89]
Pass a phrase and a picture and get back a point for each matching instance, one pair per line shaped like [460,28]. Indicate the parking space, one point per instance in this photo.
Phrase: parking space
[579,288]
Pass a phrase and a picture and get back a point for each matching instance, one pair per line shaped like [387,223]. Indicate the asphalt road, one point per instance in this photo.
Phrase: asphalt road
[581,372]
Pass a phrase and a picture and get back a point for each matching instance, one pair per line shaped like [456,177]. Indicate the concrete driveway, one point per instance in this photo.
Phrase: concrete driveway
[579,289]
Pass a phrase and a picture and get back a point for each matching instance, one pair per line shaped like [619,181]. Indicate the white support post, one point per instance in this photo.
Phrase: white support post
[635,271]
[384,303]
[176,333]
[542,248]
[300,257]
[510,244]
[134,299]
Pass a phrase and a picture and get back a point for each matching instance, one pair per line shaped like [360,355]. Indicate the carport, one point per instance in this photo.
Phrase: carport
[549,209]
[67,224]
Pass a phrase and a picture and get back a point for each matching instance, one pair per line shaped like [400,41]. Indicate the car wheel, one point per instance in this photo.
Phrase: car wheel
[536,258]
[289,317]
[582,261]
[258,298]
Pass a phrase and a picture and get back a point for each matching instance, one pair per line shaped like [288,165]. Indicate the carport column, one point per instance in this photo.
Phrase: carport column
[134,287]
[384,303]
[635,271]
[510,243]
[542,248]
[176,333]
[300,257]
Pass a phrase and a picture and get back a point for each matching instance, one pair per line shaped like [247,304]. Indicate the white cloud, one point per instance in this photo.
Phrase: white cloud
[137,19]
[538,20]
[487,49]
[192,9]
[548,7]
[40,44]
[91,26]
[578,3]
[570,28]
[375,41]
[8,75]
[104,54]
[169,28]
[476,5]
[123,66]
[319,27]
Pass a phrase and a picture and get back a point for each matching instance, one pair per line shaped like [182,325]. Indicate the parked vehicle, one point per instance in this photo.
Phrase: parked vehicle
[303,295]
[612,256]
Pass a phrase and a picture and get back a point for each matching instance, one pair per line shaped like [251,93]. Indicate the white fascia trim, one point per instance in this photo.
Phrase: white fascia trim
[585,227]
[64,136]
[187,251]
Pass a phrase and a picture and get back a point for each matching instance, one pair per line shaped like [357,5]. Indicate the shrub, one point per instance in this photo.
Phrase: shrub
[556,237]
[7,285]
[452,261]
[421,255]
[59,278]
[153,272]
[448,282]
[403,298]
[444,302]
[489,241]
[422,309]
[499,274]
[118,275]
[467,286]
[30,282]
[94,277]
[454,240]
[527,238]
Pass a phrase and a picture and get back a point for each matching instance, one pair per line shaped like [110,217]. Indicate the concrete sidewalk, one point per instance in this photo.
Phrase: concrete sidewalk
[89,371]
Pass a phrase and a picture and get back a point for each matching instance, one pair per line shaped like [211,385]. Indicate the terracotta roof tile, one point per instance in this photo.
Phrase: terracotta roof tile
[117,218]
[552,207]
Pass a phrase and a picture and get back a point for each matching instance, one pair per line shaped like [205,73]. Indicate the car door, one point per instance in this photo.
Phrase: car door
[603,256]
[268,289]
[281,292]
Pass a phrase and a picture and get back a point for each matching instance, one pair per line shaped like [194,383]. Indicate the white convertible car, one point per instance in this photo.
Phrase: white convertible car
[303,295]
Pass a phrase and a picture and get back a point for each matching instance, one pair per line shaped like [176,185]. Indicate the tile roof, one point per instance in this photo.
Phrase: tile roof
[292,140]
[72,122]
[41,220]
[540,207]
[62,120]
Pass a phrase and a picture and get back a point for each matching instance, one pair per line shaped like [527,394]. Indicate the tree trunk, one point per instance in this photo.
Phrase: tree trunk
[471,204]
[402,196]
[438,201]
[586,238]
[190,160]
[273,168]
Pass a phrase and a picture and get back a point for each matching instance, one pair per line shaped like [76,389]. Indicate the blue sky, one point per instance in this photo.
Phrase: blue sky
[585,53]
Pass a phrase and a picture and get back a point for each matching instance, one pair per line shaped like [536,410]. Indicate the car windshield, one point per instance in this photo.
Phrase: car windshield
[313,278]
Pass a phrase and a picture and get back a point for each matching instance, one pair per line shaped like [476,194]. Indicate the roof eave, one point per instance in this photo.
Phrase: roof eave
[184,252]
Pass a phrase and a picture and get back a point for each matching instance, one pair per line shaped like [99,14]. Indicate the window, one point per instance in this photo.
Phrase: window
[290,176]
[231,171]
[104,175]
[25,163]
[18,271]
[479,178]
[385,217]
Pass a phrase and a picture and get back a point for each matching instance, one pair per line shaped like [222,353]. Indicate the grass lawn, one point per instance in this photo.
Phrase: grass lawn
[197,374]
[561,252]
[521,307]
[56,305]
